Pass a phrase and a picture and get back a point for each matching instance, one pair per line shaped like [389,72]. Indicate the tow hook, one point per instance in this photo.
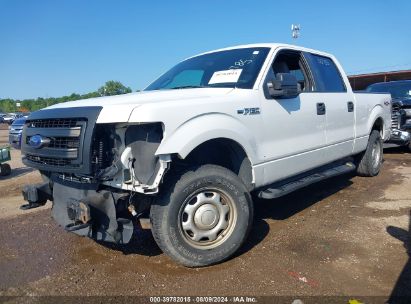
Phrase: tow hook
[79,213]
[36,195]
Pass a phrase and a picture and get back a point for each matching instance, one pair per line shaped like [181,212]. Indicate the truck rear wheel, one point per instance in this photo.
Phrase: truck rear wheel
[203,217]
[369,163]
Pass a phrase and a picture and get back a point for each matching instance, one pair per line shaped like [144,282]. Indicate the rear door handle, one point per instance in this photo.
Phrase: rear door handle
[350,106]
[320,108]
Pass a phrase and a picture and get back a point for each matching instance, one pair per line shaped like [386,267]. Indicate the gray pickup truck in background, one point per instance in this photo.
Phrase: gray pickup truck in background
[188,151]
[401,109]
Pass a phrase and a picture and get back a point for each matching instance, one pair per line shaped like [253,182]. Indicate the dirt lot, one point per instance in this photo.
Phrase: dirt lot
[343,237]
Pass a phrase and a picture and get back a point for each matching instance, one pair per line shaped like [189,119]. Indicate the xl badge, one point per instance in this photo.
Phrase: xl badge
[38,141]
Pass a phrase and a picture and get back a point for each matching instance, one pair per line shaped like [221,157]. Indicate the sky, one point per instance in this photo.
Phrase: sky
[55,48]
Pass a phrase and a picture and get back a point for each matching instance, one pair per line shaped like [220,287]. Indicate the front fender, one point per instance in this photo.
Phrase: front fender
[202,128]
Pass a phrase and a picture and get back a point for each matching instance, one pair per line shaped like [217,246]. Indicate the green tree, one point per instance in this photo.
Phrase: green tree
[113,88]
[7,105]
[109,88]
[90,95]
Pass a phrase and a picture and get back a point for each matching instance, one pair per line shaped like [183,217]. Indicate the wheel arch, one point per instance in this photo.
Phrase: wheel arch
[226,153]
[378,120]
[378,125]
[200,129]
[217,138]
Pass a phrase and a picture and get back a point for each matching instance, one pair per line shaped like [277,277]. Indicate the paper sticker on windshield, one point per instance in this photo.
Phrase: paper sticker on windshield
[225,76]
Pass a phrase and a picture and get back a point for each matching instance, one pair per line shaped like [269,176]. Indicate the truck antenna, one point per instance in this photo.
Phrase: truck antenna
[295,30]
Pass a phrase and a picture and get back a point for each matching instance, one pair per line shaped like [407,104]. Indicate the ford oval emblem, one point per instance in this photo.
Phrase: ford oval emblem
[38,141]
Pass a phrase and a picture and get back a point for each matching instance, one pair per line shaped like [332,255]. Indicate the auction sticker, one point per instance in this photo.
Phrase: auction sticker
[225,76]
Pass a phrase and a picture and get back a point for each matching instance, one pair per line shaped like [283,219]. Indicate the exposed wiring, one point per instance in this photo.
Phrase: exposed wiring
[133,191]
[130,168]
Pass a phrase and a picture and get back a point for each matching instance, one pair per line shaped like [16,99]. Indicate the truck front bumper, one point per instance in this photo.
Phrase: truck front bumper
[85,212]
[400,137]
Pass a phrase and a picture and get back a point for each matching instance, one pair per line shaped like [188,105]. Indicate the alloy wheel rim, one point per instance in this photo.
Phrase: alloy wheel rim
[376,154]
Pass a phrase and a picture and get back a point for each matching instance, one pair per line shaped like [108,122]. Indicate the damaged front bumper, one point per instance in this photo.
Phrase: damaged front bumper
[98,175]
[85,212]
[400,137]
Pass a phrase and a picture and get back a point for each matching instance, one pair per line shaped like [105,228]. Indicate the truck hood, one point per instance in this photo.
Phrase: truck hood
[118,108]
[402,102]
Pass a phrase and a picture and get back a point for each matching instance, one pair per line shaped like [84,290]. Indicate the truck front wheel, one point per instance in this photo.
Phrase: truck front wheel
[203,216]
[369,162]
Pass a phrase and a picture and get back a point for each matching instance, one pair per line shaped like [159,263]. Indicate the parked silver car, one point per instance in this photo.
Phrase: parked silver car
[15,131]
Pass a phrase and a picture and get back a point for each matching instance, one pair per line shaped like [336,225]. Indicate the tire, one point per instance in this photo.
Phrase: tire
[5,170]
[203,216]
[369,162]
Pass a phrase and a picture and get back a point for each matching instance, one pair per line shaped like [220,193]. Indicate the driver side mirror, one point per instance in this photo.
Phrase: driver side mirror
[285,85]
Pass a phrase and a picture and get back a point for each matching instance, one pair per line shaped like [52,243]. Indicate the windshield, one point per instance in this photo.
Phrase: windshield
[232,68]
[396,89]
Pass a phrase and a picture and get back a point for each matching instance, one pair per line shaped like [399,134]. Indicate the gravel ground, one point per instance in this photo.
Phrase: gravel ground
[346,236]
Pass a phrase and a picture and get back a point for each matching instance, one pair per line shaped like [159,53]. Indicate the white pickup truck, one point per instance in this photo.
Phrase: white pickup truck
[188,151]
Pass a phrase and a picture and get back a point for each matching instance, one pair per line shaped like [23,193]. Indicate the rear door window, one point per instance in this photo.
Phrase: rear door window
[326,75]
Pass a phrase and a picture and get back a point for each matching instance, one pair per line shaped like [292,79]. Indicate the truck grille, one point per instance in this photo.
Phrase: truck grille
[62,142]
[395,117]
[53,123]
[64,139]
[55,162]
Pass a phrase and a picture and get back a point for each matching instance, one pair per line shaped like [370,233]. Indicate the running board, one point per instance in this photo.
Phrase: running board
[283,188]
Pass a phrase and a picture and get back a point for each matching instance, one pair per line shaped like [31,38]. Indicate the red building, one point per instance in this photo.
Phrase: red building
[360,82]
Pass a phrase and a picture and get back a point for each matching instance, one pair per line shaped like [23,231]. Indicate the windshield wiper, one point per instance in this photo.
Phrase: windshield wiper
[187,87]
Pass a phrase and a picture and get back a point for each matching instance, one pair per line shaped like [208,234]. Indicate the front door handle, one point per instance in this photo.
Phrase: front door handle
[350,106]
[320,108]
